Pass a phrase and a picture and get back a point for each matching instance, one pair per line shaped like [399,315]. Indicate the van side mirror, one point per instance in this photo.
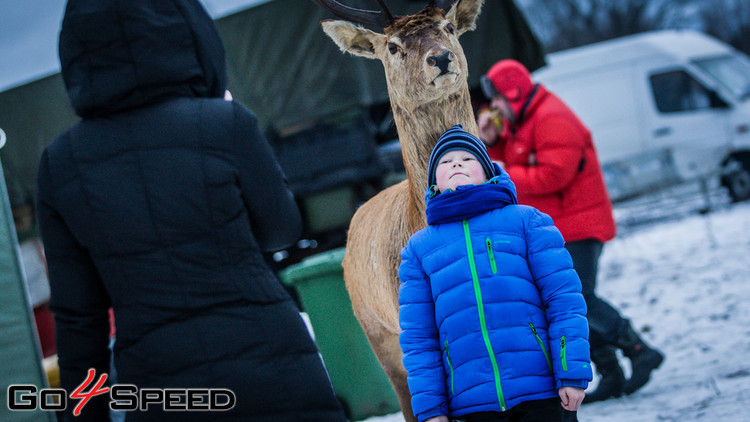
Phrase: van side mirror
[716,100]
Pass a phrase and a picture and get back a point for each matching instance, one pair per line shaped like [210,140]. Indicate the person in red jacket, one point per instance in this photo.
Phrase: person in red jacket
[550,156]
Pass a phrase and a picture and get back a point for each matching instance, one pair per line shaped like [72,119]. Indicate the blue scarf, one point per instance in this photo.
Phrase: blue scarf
[470,200]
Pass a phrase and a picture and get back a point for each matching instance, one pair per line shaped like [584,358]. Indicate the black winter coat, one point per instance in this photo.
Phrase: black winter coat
[159,203]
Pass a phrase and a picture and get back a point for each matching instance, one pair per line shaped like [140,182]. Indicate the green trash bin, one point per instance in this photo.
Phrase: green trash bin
[358,379]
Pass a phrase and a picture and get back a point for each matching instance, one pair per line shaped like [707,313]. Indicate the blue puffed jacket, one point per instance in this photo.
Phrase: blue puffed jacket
[491,310]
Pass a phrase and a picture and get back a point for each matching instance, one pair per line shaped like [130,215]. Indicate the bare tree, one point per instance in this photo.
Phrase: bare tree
[569,23]
[728,20]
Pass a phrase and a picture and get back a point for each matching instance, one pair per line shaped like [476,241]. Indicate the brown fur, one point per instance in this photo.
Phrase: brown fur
[424,106]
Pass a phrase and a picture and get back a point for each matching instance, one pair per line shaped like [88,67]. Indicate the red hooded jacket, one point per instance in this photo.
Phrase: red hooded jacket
[552,161]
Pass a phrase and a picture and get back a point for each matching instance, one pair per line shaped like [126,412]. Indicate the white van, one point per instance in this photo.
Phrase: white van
[663,107]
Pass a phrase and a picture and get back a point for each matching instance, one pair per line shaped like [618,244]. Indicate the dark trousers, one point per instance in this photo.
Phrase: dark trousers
[547,410]
[605,322]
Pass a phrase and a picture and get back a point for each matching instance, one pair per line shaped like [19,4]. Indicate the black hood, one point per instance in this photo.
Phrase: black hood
[121,54]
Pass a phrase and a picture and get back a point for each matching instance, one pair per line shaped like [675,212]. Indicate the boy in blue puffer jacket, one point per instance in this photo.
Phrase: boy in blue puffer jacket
[493,323]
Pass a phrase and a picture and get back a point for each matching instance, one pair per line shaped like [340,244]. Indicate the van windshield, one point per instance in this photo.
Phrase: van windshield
[732,72]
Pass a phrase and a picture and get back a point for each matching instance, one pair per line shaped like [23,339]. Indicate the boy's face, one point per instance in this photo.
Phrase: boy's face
[458,168]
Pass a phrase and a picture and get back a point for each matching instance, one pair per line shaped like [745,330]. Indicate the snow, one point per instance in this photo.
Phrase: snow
[683,279]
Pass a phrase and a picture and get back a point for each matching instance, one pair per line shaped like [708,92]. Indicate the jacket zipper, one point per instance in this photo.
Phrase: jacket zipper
[450,366]
[562,354]
[541,344]
[482,319]
[488,241]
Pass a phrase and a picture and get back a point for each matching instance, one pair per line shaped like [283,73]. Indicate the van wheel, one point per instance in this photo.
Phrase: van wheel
[738,182]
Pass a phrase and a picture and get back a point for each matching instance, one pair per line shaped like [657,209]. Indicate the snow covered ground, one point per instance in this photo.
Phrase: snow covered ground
[683,278]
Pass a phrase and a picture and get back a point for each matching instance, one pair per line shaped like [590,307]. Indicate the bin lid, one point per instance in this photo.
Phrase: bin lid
[314,266]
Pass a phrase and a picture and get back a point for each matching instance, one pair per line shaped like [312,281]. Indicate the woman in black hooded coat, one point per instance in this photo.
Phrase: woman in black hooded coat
[159,204]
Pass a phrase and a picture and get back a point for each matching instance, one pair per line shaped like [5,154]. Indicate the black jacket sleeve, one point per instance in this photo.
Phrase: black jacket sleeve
[274,215]
[79,301]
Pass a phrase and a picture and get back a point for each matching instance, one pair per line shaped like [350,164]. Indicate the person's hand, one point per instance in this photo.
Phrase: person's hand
[441,418]
[488,130]
[571,397]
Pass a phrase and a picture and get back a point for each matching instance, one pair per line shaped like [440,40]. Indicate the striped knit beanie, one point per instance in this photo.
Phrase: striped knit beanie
[457,138]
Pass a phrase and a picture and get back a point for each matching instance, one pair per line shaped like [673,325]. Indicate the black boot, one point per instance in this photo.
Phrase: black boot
[611,379]
[643,359]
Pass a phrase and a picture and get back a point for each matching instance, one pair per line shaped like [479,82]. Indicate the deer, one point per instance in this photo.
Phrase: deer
[427,81]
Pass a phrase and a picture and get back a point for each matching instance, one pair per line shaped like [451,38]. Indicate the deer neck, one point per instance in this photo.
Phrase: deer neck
[419,127]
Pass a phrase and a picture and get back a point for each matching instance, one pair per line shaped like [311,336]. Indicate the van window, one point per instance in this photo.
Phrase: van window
[732,72]
[677,91]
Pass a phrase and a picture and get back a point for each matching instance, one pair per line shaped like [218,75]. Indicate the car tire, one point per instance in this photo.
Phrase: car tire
[738,182]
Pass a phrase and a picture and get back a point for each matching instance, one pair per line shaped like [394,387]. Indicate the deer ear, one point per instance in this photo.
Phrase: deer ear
[464,15]
[352,38]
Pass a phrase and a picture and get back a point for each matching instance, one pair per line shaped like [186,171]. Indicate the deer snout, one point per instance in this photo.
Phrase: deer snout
[442,61]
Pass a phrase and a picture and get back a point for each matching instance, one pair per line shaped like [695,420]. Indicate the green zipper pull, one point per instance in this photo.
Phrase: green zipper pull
[488,241]
[562,354]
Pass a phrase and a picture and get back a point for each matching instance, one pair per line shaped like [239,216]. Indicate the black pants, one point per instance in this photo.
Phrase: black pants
[605,322]
[547,410]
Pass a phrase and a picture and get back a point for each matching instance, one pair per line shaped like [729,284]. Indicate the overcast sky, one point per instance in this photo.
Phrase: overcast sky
[28,36]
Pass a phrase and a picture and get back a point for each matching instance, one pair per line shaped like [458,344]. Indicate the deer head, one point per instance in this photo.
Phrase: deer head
[423,59]
[426,73]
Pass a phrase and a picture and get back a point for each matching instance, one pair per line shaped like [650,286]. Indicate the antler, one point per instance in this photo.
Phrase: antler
[444,4]
[369,17]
